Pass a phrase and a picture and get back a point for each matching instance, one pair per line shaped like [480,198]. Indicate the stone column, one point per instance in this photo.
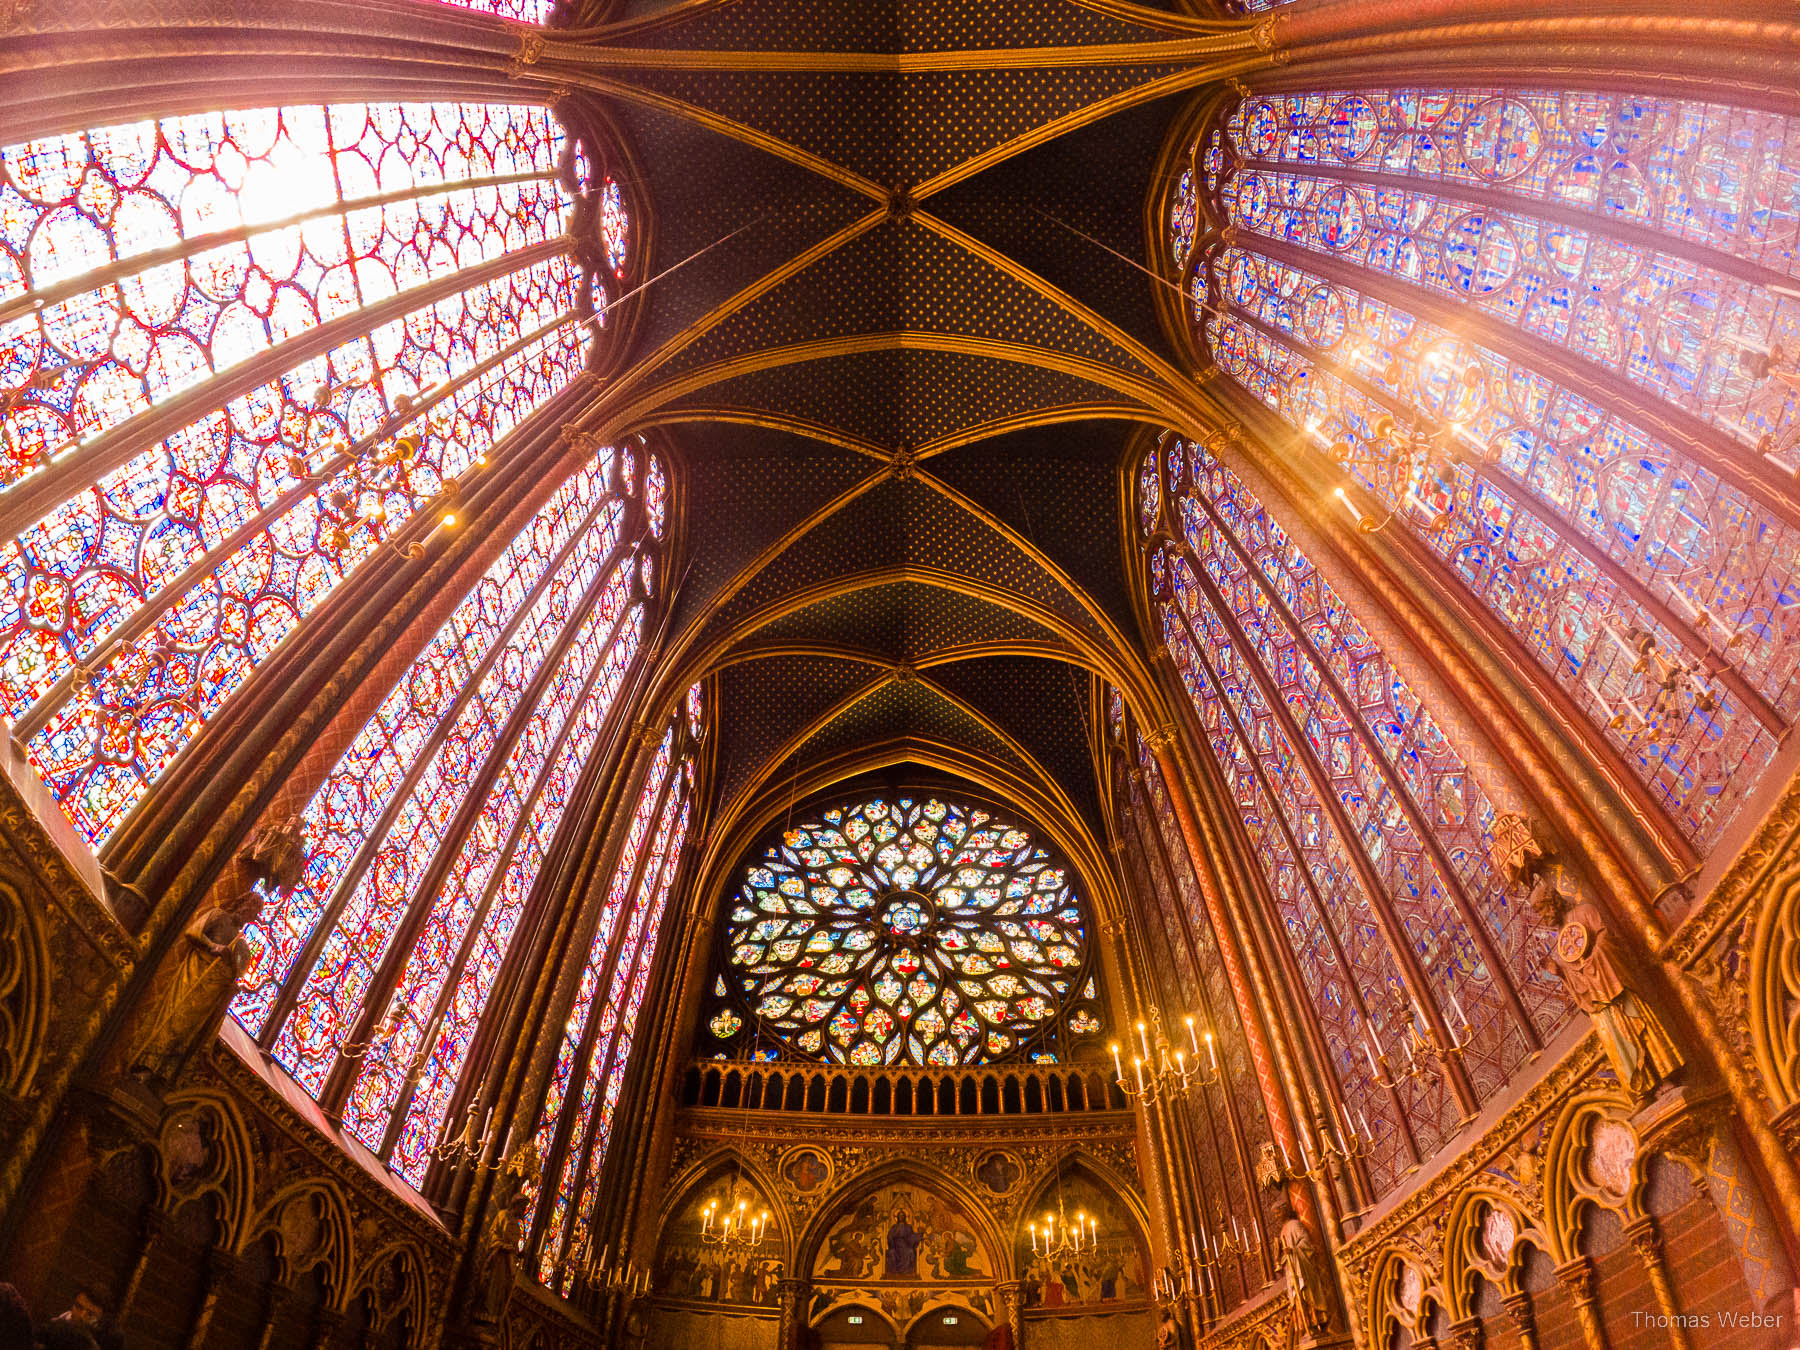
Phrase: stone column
[1744,1210]
[1009,1297]
[279,1297]
[1467,1334]
[792,1295]
[1577,1280]
[150,1226]
[221,1266]
[1518,1307]
[1647,1243]
[327,1324]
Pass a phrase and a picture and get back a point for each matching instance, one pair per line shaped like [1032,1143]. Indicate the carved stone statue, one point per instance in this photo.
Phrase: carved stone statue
[501,1239]
[1269,1172]
[1308,1282]
[188,997]
[1639,1048]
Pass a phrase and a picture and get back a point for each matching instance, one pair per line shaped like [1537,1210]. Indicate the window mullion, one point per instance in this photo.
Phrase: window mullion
[1452,880]
[504,859]
[599,1064]
[1278,818]
[28,501]
[381,988]
[347,885]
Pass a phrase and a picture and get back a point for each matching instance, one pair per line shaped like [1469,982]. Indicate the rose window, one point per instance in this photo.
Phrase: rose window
[906,932]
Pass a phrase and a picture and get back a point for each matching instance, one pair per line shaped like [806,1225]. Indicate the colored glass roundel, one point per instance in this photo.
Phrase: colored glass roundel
[906,932]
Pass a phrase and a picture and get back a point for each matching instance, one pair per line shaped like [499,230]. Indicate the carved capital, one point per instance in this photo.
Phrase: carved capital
[1162,737]
[1577,1280]
[1518,1307]
[1645,1240]
[1268,39]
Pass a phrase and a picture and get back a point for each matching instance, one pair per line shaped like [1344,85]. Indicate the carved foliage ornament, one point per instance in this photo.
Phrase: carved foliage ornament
[24,994]
[1775,988]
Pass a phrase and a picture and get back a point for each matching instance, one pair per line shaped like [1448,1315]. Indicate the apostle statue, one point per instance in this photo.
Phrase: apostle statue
[1309,1294]
[1636,1043]
[186,1002]
[503,1236]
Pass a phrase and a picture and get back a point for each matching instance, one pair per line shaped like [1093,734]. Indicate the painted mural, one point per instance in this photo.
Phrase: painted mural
[1115,1270]
[690,1266]
[902,1233]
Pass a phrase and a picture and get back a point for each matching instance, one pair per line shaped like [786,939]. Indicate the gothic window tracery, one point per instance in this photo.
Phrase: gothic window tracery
[575,1123]
[1373,833]
[1553,333]
[913,930]
[243,350]
[369,981]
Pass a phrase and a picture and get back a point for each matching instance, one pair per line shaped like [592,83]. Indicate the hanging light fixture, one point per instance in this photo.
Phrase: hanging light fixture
[1060,1237]
[727,1221]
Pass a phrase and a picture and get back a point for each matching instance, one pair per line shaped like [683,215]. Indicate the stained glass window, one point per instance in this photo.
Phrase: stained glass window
[524,11]
[906,931]
[425,841]
[1337,763]
[241,350]
[1228,1122]
[1553,333]
[594,1053]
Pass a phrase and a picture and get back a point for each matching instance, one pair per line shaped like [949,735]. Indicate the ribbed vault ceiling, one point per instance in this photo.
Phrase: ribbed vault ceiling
[902,348]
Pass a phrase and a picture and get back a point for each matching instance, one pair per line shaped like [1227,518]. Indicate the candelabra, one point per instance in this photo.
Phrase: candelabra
[728,1225]
[1061,1238]
[1160,1069]
[470,1144]
[1404,460]
[378,467]
[1218,1245]
[723,1223]
[625,1277]
[1654,685]
[1425,1051]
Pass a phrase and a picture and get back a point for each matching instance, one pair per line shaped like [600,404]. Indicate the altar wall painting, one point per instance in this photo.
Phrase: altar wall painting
[903,1249]
[689,1268]
[1115,1271]
[903,1232]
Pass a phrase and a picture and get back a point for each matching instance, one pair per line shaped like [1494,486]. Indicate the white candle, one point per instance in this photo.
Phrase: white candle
[1118,1069]
[1138,1066]
[1192,1041]
[1461,1016]
[1211,1052]
[1144,1039]
[1369,1050]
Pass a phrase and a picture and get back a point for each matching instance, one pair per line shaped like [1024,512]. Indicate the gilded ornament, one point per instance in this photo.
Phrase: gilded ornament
[185,1006]
[1637,1045]
[1308,1279]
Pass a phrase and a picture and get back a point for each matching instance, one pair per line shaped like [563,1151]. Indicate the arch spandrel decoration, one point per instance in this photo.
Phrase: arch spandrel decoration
[1548,333]
[917,929]
[246,351]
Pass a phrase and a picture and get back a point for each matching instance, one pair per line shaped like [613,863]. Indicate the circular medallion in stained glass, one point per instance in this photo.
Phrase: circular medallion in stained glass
[906,931]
